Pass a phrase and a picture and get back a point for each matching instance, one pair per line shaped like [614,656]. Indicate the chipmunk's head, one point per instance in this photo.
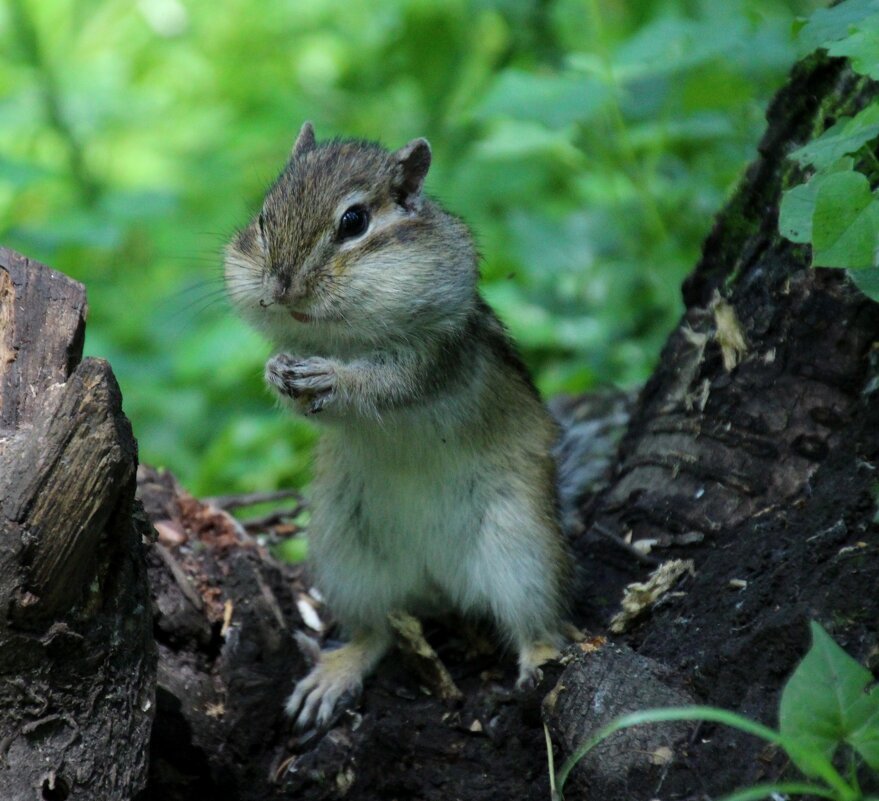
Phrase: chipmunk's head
[347,247]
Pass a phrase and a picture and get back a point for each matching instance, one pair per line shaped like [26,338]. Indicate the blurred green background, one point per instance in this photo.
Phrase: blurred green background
[588,143]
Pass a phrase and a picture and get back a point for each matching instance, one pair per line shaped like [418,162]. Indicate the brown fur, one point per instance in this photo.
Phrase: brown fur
[435,431]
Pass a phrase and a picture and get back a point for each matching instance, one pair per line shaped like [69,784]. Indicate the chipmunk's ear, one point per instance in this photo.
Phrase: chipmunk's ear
[304,142]
[413,162]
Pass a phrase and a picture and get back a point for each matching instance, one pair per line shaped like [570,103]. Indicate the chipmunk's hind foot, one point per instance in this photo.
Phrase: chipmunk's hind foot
[531,657]
[322,695]
[335,681]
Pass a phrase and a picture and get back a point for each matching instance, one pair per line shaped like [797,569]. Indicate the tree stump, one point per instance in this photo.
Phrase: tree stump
[77,659]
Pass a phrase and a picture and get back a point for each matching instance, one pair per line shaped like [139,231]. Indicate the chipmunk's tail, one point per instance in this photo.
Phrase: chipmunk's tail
[591,428]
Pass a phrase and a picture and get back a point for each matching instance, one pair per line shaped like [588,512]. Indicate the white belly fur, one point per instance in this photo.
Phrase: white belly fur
[394,522]
[422,514]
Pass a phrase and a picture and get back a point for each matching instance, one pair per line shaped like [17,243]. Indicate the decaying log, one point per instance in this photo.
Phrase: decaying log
[752,451]
[225,612]
[77,661]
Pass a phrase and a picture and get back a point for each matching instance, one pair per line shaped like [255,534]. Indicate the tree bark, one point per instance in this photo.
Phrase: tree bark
[763,459]
[77,660]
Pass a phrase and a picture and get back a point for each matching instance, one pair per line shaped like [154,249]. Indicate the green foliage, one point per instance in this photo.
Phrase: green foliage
[845,137]
[798,205]
[292,549]
[861,48]
[827,26]
[588,144]
[836,210]
[844,222]
[824,706]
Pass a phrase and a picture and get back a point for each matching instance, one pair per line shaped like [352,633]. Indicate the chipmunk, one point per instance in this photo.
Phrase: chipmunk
[434,483]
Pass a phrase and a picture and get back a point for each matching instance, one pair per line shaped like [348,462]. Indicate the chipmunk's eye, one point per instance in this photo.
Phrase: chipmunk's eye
[354,222]
[261,222]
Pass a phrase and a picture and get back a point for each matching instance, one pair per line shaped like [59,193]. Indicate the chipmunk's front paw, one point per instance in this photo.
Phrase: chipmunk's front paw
[309,382]
[328,689]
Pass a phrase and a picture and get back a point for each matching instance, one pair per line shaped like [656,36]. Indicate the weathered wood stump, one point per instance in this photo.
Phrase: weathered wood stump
[77,659]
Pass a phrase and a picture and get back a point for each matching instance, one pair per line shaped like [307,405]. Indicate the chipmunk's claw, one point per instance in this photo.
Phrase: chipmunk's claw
[335,680]
[531,657]
[529,679]
[322,695]
[311,383]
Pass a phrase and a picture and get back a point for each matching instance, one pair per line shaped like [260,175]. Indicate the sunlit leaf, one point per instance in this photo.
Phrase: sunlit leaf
[140,205]
[861,46]
[512,139]
[673,44]
[292,549]
[21,173]
[554,99]
[77,228]
[827,25]
[798,204]
[699,127]
[845,224]
[844,137]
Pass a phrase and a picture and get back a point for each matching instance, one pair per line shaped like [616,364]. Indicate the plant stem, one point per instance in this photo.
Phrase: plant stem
[550,759]
[783,788]
[822,767]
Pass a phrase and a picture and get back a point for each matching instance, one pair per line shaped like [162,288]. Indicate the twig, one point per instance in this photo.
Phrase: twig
[643,558]
[180,578]
[272,518]
[430,668]
[252,498]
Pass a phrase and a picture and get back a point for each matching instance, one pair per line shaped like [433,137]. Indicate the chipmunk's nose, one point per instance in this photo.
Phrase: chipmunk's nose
[281,288]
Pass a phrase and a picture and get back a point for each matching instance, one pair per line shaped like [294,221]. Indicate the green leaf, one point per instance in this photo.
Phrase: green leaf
[824,704]
[845,223]
[861,47]
[868,282]
[865,739]
[533,325]
[518,139]
[670,45]
[20,173]
[705,126]
[828,25]
[843,138]
[554,99]
[798,204]
[795,215]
